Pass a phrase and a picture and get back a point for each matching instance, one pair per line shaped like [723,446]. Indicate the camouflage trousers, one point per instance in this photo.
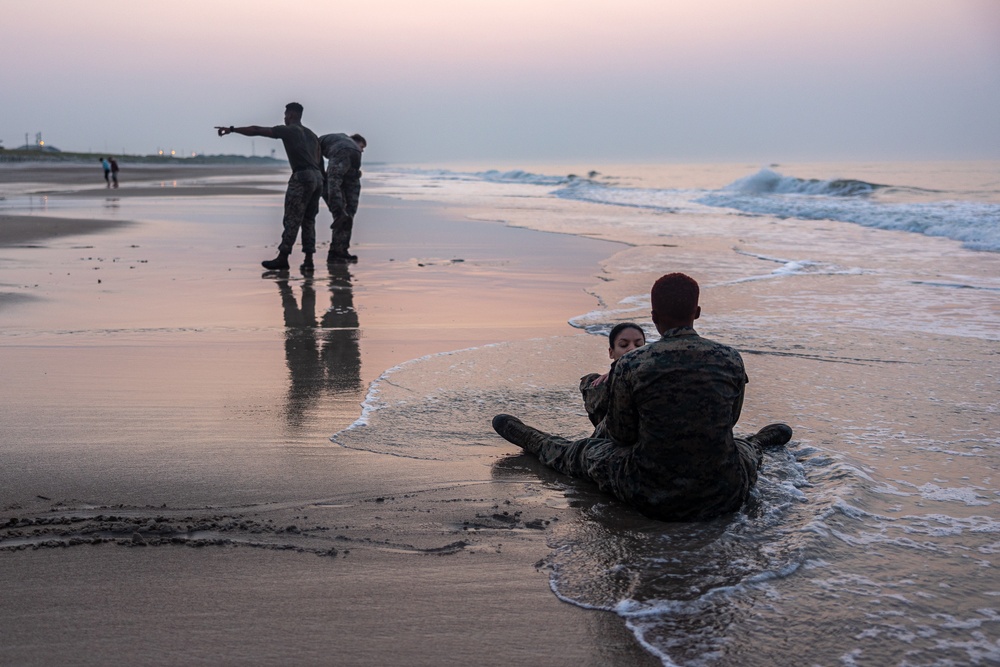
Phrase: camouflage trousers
[613,468]
[301,207]
[342,193]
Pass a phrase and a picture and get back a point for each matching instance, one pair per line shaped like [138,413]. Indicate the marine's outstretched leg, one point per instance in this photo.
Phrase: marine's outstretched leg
[570,457]
[751,448]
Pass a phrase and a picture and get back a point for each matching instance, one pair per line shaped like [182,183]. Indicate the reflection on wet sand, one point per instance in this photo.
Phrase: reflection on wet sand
[323,356]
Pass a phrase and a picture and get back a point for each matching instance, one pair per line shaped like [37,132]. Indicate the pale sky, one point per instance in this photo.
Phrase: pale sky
[512,80]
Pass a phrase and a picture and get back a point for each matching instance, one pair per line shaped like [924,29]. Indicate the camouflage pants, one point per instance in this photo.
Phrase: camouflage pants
[612,467]
[301,207]
[342,193]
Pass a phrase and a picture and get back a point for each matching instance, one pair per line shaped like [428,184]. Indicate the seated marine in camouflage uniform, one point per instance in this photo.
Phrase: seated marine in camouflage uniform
[596,389]
[666,446]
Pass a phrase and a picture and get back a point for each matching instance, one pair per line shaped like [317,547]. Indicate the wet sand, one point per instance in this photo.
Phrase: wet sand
[62,175]
[17,230]
[170,493]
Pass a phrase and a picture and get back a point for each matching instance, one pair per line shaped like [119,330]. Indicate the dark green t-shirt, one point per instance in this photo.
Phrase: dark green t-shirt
[301,146]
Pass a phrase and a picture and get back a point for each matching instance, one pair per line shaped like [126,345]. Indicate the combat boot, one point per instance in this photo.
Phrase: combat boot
[340,257]
[279,263]
[772,435]
[307,266]
[515,431]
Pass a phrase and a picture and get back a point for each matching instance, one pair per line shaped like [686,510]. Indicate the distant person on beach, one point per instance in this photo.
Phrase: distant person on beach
[624,337]
[107,170]
[668,447]
[304,187]
[342,190]
[114,172]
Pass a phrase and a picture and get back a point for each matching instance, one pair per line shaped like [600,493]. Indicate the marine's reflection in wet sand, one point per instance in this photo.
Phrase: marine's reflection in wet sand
[323,357]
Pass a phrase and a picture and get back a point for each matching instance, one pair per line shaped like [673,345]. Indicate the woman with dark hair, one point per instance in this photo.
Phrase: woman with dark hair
[624,337]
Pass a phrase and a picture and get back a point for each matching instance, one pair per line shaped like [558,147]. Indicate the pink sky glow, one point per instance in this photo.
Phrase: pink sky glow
[542,79]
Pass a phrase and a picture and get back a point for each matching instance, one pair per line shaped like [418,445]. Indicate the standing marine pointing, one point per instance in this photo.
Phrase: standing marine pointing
[304,187]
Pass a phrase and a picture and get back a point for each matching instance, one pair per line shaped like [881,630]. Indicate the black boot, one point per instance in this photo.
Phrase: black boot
[279,263]
[307,265]
[772,435]
[515,431]
[340,256]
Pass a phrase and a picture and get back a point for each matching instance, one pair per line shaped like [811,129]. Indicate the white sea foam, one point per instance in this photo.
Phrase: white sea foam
[600,322]
[795,267]
[976,224]
[520,176]
[939,525]
[767,181]
[664,201]
[965,495]
[372,403]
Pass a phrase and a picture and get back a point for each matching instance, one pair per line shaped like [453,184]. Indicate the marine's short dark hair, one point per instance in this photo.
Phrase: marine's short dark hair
[619,328]
[294,107]
[358,139]
[675,296]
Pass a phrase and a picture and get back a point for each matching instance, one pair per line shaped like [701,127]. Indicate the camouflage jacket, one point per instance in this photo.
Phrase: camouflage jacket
[674,403]
[341,147]
[595,399]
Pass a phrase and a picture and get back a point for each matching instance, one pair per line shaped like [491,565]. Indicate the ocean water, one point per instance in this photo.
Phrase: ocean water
[865,299]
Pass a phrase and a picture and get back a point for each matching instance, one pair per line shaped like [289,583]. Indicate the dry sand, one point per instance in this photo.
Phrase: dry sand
[169,494]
